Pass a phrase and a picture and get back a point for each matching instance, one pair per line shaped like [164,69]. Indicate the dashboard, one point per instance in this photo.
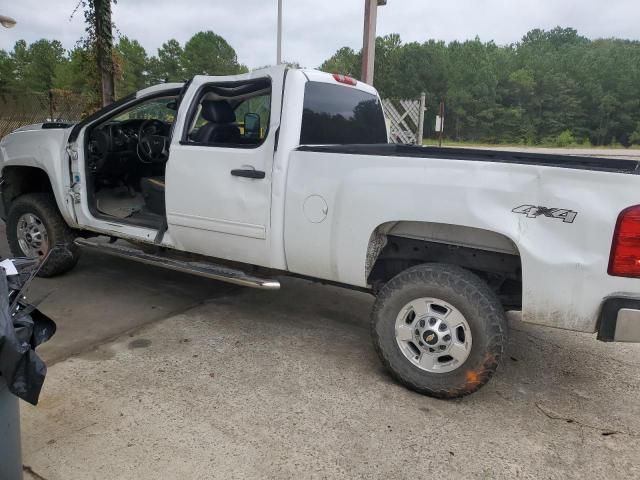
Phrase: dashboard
[116,143]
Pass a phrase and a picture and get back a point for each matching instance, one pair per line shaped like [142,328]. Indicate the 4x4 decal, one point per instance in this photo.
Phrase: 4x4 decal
[532,211]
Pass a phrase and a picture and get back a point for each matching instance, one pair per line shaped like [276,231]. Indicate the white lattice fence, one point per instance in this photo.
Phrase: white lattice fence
[405,118]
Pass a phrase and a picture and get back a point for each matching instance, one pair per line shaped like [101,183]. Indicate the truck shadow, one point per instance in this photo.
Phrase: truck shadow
[558,373]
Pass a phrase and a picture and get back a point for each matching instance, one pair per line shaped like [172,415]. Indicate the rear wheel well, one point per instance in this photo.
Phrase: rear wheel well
[502,271]
[20,180]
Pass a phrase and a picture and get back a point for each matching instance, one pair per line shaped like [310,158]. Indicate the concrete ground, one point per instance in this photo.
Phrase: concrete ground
[155,375]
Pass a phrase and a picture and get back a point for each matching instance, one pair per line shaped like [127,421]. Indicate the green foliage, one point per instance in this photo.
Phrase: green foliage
[565,139]
[552,86]
[44,65]
[344,61]
[71,73]
[635,136]
[207,53]
[31,67]
[134,61]
[98,45]
[529,92]
[167,66]
[7,71]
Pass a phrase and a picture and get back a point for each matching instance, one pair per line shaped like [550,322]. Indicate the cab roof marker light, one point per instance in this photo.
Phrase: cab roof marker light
[345,79]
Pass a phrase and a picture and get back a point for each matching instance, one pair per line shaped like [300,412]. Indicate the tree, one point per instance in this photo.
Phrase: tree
[551,84]
[345,62]
[32,67]
[207,53]
[170,62]
[134,66]
[72,73]
[7,71]
[548,87]
[43,57]
[20,62]
[634,139]
[99,41]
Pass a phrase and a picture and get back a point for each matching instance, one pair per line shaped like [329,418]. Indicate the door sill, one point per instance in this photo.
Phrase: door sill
[201,268]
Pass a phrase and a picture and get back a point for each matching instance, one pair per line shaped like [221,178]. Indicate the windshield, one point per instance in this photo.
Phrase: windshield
[162,108]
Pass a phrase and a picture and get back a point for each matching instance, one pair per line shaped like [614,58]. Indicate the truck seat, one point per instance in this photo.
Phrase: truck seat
[153,192]
[220,126]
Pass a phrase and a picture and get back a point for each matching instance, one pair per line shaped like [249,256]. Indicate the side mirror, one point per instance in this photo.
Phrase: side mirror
[172,105]
[252,125]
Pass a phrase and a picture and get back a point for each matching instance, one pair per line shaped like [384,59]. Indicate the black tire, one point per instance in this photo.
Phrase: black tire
[472,297]
[65,255]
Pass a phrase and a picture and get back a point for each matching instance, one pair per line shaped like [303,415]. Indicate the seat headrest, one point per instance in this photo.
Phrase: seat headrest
[218,111]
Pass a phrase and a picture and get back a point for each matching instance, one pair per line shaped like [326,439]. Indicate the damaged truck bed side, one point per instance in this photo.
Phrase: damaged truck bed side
[283,171]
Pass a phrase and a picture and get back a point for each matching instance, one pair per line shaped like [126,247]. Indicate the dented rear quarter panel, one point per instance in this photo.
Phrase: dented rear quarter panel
[564,265]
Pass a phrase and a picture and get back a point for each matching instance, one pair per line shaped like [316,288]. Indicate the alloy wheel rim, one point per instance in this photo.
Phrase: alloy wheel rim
[433,335]
[32,236]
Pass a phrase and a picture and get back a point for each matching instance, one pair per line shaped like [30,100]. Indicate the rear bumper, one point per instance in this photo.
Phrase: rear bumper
[619,320]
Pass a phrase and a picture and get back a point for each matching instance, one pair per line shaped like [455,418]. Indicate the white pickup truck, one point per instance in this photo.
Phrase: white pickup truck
[282,171]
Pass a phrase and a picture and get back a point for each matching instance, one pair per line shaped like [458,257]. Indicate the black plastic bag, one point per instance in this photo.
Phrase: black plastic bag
[20,333]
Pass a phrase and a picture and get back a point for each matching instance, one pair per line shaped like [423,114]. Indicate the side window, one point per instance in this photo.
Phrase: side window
[231,116]
[336,114]
[253,116]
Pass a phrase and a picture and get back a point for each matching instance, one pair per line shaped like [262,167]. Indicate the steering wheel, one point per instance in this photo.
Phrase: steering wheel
[152,146]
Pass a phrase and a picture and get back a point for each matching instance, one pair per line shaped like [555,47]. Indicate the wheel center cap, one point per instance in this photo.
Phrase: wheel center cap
[430,337]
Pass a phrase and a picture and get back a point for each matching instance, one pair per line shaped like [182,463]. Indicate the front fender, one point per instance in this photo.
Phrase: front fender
[43,149]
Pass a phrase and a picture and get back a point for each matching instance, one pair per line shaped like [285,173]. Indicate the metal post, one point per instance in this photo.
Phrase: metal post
[420,136]
[441,123]
[10,448]
[51,106]
[369,40]
[279,32]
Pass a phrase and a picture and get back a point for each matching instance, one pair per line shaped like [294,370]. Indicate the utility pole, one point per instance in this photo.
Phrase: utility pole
[279,32]
[369,40]
[104,47]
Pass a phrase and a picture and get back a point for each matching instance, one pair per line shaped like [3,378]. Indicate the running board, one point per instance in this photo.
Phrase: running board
[202,269]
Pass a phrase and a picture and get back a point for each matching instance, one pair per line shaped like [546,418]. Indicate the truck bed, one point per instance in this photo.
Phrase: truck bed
[614,165]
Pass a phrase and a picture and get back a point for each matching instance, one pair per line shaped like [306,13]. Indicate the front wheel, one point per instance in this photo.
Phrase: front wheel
[35,228]
[439,330]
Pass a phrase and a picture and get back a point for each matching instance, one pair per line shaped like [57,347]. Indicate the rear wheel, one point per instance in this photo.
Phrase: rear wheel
[35,228]
[439,329]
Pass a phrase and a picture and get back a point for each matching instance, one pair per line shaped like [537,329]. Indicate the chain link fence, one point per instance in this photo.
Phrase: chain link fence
[19,108]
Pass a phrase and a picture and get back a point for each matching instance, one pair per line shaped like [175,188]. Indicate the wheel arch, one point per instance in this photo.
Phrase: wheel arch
[20,179]
[396,246]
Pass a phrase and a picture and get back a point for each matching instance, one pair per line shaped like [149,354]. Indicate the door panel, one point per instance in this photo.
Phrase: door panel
[210,210]
[203,194]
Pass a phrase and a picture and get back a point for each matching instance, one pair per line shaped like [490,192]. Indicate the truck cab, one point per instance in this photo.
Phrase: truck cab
[199,167]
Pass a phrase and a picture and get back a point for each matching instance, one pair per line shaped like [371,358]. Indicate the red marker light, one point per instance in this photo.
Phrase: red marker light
[344,79]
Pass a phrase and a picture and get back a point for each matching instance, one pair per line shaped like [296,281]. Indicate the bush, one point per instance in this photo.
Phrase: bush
[565,139]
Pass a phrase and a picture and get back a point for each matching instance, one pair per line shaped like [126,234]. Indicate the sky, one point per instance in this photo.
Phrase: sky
[314,30]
